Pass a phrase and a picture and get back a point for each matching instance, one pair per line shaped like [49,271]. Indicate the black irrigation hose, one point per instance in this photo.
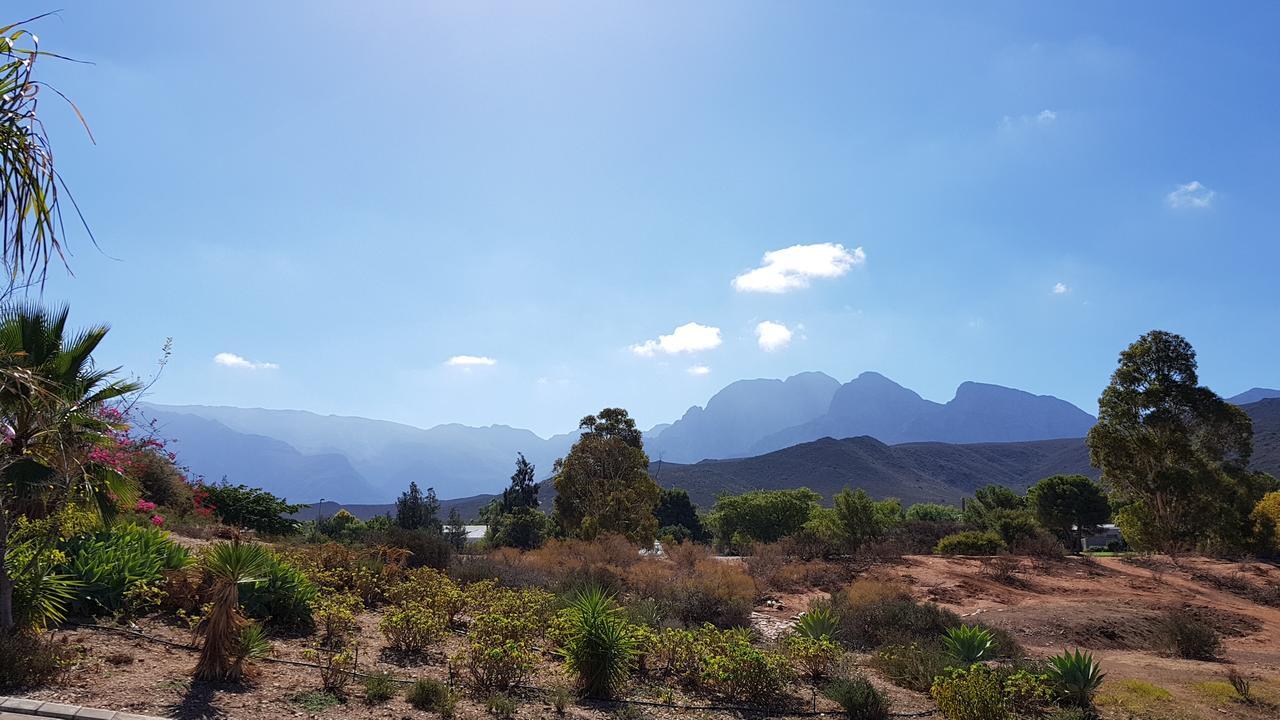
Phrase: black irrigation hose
[645,703]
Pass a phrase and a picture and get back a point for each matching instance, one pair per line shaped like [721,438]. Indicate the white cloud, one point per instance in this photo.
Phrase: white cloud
[699,370]
[468,361]
[1191,195]
[235,361]
[1060,289]
[1043,118]
[772,336]
[690,337]
[793,267]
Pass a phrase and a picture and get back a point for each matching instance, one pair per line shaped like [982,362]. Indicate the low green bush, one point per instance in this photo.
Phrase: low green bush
[911,666]
[501,706]
[412,627]
[379,687]
[281,598]
[859,699]
[252,508]
[814,657]
[971,542]
[742,672]
[972,693]
[430,694]
[28,659]
[110,562]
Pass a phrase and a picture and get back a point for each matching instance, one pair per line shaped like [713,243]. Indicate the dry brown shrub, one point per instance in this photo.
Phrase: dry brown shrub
[715,591]
[651,578]
[687,555]
[778,567]
[866,591]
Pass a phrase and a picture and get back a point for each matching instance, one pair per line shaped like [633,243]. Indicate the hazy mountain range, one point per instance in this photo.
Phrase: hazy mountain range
[306,456]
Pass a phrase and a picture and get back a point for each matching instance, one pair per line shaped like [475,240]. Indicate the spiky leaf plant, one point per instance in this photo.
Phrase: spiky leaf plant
[600,647]
[1076,676]
[968,644]
[223,654]
[818,623]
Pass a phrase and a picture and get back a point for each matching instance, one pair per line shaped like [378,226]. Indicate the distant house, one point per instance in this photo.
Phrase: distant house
[1106,535]
[475,533]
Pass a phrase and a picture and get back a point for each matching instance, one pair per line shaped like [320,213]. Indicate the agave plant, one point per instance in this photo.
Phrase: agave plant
[228,642]
[820,622]
[601,647]
[968,644]
[1075,677]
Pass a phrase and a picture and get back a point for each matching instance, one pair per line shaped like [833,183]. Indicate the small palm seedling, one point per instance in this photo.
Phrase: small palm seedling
[968,644]
[818,623]
[1075,676]
[859,699]
[227,645]
[600,647]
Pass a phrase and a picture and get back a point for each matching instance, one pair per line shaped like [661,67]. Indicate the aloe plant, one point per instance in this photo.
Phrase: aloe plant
[1076,676]
[968,644]
[818,623]
[601,647]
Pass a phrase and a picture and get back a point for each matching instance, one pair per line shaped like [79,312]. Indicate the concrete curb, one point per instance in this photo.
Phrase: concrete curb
[14,708]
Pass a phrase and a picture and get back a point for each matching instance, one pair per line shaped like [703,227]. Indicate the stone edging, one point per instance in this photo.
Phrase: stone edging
[14,708]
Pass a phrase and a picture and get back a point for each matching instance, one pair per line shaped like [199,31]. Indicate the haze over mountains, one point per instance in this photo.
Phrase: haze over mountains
[306,456]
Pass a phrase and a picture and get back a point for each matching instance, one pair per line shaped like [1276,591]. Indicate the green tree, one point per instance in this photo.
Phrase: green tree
[415,510]
[52,406]
[990,499]
[524,528]
[603,484]
[455,531]
[523,490]
[862,519]
[1172,453]
[253,508]
[934,512]
[761,515]
[676,510]
[1071,506]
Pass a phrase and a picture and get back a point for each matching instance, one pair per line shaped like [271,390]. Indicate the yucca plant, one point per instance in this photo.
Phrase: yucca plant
[968,644]
[1075,676]
[600,647]
[820,622]
[225,648]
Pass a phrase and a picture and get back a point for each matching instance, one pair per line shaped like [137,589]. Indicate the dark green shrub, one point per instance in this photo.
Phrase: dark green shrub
[109,563]
[911,666]
[429,694]
[971,542]
[1183,634]
[859,699]
[600,646]
[281,598]
[252,508]
[872,617]
[429,547]
[379,688]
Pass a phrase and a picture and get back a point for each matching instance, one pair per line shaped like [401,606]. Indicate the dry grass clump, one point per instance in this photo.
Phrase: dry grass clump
[780,567]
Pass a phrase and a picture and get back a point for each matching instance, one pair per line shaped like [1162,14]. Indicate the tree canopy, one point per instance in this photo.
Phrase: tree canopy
[603,484]
[1172,453]
[1072,506]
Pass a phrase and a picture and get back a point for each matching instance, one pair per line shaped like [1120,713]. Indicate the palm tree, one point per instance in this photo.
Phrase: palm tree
[30,211]
[52,399]
[229,638]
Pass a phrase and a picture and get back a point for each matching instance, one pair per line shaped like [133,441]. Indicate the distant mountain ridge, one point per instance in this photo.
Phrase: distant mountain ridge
[306,456]
[920,471]
[870,404]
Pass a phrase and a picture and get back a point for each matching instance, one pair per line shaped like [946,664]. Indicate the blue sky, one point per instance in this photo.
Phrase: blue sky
[347,197]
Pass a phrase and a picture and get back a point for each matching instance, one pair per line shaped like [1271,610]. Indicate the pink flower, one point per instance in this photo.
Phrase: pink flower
[145,506]
[157,520]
